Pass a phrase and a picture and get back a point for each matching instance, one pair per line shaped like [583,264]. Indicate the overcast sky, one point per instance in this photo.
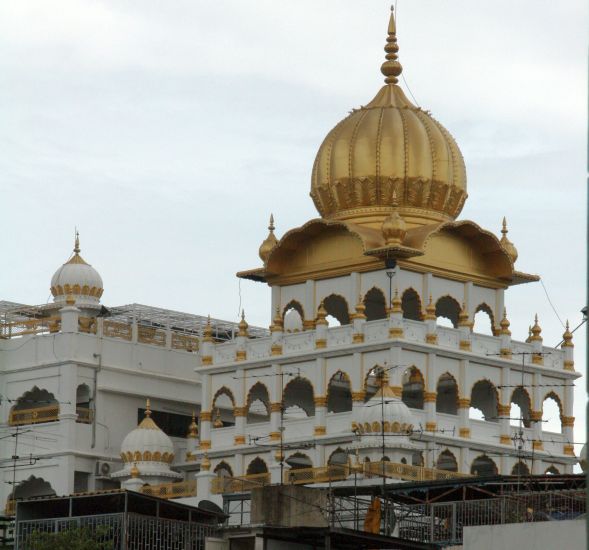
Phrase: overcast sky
[168,132]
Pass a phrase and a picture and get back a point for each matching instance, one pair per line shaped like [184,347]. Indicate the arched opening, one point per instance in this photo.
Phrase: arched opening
[293,316]
[372,382]
[34,407]
[223,405]
[83,404]
[413,388]
[375,303]
[483,466]
[258,404]
[484,320]
[298,399]
[520,408]
[417,459]
[411,305]
[337,308]
[257,466]
[520,469]
[339,393]
[551,413]
[223,470]
[447,308]
[339,457]
[483,398]
[447,461]
[552,471]
[447,394]
[297,461]
[32,487]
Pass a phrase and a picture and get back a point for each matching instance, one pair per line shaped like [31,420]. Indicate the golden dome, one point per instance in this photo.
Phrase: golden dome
[506,243]
[389,147]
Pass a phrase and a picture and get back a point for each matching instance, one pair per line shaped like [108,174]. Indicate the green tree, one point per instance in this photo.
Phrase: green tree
[76,538]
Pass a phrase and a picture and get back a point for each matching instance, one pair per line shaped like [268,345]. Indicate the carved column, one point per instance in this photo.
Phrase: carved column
[463,402]
[536,413]
[205,413]
[320,397]
[396,370]
[429,398]
[275,402]
[240,410]
[504,407]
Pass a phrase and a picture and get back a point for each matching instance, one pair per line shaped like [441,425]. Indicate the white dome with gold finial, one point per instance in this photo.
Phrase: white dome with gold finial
[78,279]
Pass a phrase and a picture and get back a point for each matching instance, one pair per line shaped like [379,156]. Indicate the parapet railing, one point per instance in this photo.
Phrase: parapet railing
[85,415]
[171,490]
[224,485]
[34,415]
[322,474]
[46,325]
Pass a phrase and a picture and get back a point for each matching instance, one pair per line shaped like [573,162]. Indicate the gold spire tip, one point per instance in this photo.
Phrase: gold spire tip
[77,243]
[271,225]
[391,68]
[148,407]
[504,228]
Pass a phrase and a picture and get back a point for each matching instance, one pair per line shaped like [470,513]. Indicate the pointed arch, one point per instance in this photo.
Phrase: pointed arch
[337,307]
[298,396]
[258,404]
[375,303]
[223,390]
[338,457]
[257,466]
[293,316]
[549,412]
[339,393]
[447,394]
[298,460]
[32,487]
[411,304]
[520,469]
[223,469]
[552,470]
[413,392]
[484,310]
[482,465]
[447,461]
[35,406]
[449,308]
[485,398]
[521,398]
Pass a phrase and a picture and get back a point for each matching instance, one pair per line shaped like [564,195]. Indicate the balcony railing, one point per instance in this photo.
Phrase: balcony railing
[323,474]
[393,470]
[84,415]
[34,415]
[30,326]
[171,490]
[224,485]
[10,507]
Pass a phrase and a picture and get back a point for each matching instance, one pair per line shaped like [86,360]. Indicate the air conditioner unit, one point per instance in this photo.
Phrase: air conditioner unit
[104,469]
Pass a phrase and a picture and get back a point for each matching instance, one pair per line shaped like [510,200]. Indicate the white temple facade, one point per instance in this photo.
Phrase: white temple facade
[376,361]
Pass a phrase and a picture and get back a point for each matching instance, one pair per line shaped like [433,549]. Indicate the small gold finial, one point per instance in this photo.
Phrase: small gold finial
[430,310]
[397,303]
[535,330]
[360,308]
[134,471]
[193,428]
[77,243]
[391,68]
[394,227]
[463,320]
[504,324]
[218,423]
[243,326]
[321,315]
[506,243]
[148,407]
[205,465]
[567,337]
[70,300]
[277,323]
[269,243]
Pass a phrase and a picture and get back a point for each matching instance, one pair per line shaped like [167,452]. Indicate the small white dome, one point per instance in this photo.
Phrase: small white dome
[397,416]
[583,458]
[78,279]
[147,443]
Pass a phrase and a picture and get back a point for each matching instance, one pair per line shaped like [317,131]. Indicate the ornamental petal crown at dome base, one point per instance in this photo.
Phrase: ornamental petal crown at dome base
[78,279]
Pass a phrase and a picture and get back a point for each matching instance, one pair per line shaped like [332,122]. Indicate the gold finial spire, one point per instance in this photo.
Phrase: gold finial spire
[148,407]
[277,323]
[243,326]
[463,320]
[208,332]
[193,428]
[391,68]
[269,243]
[77,243]
[218,423]
[321,315]
[134,471]
[393,227]
[567,337]
[430,310]
[360,308]
[397,303]
[506,243]
[535,330]
[504,324]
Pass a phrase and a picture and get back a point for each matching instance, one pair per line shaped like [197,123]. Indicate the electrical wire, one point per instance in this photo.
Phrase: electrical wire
[551,304]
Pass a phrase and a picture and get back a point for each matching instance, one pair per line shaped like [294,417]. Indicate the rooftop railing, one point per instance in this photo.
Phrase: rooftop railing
[171,490]
[244,484]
